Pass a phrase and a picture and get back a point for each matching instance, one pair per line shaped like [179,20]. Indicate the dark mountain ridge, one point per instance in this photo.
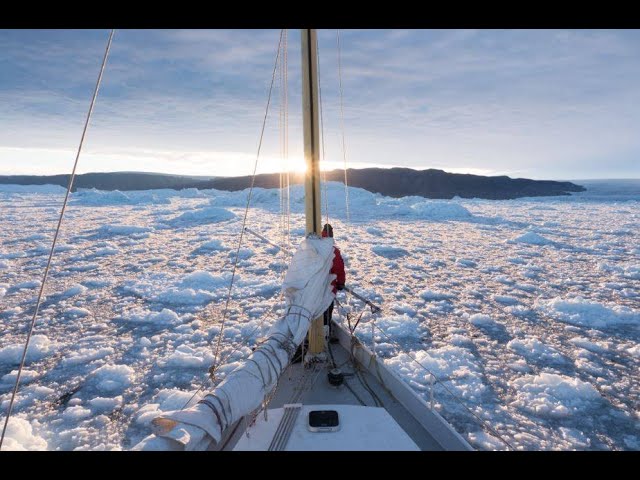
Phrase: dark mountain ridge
[393,182]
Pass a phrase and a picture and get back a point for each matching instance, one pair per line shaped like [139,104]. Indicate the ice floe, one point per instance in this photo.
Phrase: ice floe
[580,311]
[140,315]
[531,238]
[113,378]
[553,395]
[202,215]
[21,437]
[40,347]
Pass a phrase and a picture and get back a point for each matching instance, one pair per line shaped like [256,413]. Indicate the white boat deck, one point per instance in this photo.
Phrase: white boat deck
[361,428]
[399,421]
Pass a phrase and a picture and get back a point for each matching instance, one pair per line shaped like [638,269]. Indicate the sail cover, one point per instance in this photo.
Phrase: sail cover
[308,293]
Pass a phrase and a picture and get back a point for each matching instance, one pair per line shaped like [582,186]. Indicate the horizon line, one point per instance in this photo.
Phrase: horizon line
[301,173]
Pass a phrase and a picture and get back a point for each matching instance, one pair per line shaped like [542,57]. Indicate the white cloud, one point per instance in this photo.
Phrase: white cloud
[531,103]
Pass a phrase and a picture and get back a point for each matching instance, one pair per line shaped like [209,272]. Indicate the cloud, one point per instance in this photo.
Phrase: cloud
[529,102]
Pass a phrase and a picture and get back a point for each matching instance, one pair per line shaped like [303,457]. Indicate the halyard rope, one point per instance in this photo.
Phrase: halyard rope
[324,155]
[244,221]
[344,147]
[246,210]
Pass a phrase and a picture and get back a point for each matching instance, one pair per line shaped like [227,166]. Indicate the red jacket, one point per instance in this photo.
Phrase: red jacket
[338,269]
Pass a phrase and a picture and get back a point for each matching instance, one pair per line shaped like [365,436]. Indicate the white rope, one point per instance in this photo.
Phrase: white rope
[285,207]
[55,237]
[286,140]
[285,186]
[287,223]
[324,155]
[281,192]
[344,146]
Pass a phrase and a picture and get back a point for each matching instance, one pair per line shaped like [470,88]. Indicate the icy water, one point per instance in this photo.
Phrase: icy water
[527,310]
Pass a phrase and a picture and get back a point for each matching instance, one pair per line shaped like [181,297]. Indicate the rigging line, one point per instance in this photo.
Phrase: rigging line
[410,354]
[285,145]
[346,383]
[269,315]
[281,217]
[281,146]
[324,156]
[284,94]
[358,375]
[356,366]
[287,206]
[55,237]
[482,422]
[248,337]
[240,345]
[344,147]
[246,210]
[286,131]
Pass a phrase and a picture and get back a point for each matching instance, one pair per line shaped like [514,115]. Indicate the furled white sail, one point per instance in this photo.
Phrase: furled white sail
[308,294]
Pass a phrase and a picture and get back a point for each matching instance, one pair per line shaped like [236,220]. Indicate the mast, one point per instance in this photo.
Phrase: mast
[310,109]
[311,131]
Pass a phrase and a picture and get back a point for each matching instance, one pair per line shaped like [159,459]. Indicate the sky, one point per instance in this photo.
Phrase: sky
[544,104]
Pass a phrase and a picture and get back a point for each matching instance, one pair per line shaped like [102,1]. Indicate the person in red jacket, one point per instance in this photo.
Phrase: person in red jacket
[338,269]
[337,284]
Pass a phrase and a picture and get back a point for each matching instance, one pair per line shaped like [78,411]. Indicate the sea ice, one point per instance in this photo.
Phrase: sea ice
[430,295]
[140,315]
[20,436]
[39,347]
[531,238]
[200,216]
[534,349]
[113,378]
[390,252]
[481,320]
[155,290]
[553,395]
[580,311]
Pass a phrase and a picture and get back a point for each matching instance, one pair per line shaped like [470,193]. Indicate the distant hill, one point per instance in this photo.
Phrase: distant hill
[393,182]
[431,183]
[109,181]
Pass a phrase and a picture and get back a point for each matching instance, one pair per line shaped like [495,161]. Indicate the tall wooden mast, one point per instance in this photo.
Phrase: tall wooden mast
[310,116]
